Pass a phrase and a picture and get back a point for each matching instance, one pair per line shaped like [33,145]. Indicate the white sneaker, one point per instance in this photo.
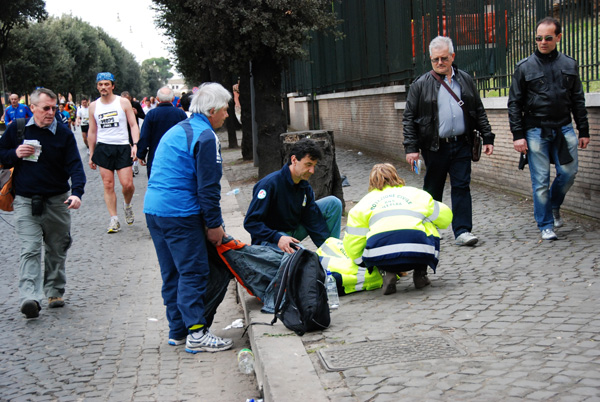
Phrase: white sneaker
[129,218]
[136,168]
[558,222]
[466,239]
[176,342]
[114,226]
[206,341]
[548,234]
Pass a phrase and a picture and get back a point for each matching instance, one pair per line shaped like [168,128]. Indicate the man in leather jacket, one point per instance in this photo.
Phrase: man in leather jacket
[435,124]
[545,91]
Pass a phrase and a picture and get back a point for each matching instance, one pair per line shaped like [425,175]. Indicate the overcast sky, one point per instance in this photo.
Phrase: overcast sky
[131,22]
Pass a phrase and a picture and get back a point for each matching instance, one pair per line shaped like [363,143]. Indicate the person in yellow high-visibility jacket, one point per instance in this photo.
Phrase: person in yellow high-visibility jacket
[394,227]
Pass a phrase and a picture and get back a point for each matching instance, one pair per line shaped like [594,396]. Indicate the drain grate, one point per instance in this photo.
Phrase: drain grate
[387,352]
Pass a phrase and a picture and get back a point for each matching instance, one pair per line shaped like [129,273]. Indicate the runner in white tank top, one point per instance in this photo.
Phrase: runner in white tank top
[109,116]
[112,122]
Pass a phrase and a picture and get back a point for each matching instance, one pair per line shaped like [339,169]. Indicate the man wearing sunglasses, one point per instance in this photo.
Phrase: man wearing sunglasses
[437,125]
[545,92]
[44,162]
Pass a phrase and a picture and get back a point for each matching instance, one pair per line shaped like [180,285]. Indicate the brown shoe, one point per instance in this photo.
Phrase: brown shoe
[389,283]
[420,278]
[55,302]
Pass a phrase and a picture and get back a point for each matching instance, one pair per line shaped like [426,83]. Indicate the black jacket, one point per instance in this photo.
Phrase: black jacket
[420,118]
[545,90]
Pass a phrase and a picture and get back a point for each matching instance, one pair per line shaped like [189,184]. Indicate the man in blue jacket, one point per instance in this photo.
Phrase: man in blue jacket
[44,162]
[283,208]
[157,122]
[16,110]
[183,212]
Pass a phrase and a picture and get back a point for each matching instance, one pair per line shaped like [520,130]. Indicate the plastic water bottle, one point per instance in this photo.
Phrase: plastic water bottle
[234,191]
[246,361]
[332,294]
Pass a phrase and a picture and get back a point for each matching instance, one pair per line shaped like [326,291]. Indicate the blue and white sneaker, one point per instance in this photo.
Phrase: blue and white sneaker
[176,342]
[206,341]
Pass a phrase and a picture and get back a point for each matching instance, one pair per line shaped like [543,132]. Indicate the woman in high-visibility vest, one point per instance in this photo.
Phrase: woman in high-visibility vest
[394,227]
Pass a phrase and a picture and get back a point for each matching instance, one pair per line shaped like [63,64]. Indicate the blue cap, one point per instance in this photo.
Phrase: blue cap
[105,76]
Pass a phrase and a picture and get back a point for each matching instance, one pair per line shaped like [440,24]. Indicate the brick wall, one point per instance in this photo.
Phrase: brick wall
[373,123]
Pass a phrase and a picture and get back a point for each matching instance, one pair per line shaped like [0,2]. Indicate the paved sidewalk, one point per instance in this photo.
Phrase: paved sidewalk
[109,343]
[513,318]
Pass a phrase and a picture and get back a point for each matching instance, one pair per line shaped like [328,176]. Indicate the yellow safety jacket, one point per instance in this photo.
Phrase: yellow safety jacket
[396,225]
[354,278]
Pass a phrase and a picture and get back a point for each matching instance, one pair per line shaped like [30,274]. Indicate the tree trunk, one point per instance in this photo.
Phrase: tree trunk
[270,119]
[247,150]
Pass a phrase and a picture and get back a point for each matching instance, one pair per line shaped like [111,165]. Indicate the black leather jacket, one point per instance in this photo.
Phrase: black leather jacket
[420,119]
[545,90]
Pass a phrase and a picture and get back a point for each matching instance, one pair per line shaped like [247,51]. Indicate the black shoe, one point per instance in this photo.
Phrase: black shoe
[389,283]
[420,278]
[31,309]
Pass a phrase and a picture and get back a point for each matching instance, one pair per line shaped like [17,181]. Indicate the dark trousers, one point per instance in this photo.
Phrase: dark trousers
[192,289]
[452,158]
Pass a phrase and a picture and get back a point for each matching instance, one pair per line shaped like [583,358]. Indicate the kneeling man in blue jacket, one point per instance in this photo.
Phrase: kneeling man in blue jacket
[283,208]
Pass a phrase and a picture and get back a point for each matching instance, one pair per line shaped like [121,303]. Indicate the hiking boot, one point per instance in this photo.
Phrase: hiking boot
[114,226]
[420,278]
[31,308]
[55,302]
[206,341]
[548,234]
[128,214]
[466,239]
[558,222]
[389,283]
[176,342]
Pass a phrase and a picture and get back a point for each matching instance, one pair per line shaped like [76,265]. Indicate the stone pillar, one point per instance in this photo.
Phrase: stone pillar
[326,180]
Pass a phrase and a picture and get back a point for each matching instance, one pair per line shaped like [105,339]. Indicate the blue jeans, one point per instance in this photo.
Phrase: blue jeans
[540,151]
[52,228]
[331,208]
[454,159]
[180,245]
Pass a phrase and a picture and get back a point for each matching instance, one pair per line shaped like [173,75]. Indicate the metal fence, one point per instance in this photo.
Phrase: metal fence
[386,42]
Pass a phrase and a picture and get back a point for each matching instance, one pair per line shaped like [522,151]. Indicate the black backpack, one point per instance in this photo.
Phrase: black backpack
[305,306]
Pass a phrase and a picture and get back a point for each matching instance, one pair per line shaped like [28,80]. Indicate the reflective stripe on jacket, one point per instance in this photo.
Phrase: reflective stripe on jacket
[354,278]
[396,225]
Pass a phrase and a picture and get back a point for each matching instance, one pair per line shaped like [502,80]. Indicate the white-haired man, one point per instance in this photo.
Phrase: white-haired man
[435,123]
[183,212]
[158,121]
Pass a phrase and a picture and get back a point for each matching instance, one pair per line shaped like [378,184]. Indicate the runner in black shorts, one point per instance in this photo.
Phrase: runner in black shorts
[112,157]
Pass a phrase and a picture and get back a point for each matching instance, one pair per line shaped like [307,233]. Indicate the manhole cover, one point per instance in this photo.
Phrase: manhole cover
[386,352]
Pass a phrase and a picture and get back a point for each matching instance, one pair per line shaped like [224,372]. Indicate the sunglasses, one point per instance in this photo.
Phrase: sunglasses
[547,38]
[48,108]
[438,59]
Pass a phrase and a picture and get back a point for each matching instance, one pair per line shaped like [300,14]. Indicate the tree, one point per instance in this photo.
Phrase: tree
[14,14]
[225,35]
[65,54]
[155,74]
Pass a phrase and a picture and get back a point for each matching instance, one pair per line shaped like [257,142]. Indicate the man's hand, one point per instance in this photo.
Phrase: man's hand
[92,164]
[142,161]
[24,150]
[583,142]
[284,244]
[521,145]
[412,158]
[488,149]
[74,202]
[215,235]
[134,152]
